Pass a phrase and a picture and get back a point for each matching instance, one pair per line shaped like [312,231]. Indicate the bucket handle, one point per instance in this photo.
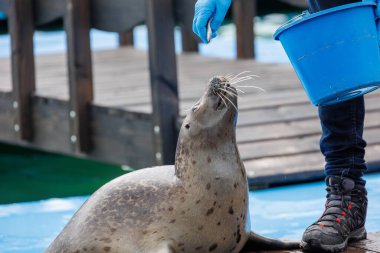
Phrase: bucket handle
[377,11]
[304,13]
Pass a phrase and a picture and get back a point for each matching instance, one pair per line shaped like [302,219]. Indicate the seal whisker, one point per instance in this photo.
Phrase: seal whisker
[247,76]
[240,90]
[230,92]
[243,72]
[229,101]
[228,76]
[252,86]
[230,88]
[224,102]
[242,79]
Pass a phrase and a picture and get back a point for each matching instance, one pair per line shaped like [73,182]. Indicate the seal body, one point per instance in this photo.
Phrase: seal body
[200,204]
[151,210]
[197,205]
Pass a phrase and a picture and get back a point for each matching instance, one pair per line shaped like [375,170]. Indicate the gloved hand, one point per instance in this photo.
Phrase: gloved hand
[206,10]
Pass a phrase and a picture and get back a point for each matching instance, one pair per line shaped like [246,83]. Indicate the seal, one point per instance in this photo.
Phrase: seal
[200,204]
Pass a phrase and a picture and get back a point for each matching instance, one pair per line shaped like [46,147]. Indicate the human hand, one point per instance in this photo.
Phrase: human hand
[205,10]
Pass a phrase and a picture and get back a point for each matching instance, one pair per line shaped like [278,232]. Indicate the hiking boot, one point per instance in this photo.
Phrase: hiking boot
[343,219]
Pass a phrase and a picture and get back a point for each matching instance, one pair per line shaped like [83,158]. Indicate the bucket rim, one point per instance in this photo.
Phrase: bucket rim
[306,16]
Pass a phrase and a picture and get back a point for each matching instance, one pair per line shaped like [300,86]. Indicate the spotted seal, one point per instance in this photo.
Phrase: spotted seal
[198,205]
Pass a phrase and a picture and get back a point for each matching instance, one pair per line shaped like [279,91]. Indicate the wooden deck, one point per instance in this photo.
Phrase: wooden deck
[371,245]
[278,131]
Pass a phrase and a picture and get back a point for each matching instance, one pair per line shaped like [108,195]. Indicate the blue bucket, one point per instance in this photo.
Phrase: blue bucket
[334,52]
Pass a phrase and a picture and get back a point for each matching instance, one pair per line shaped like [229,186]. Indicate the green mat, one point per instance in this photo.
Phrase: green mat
[27,175]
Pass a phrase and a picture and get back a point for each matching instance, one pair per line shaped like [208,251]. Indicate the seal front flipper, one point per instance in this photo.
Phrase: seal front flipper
[258,242]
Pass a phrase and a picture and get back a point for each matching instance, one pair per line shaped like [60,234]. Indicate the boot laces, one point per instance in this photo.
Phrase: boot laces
[339,204]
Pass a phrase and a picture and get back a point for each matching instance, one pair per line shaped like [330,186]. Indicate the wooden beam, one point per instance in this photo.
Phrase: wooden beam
[126,38]
[119,136]
[6,117]
[77,26]
[163,78]
[189,42]
[21,28]
[243,14]
[184,13]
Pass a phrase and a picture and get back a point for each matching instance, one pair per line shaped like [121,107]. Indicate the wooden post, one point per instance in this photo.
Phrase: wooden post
[184,12]
[77,26]
[126,38]
[163,78]
[243,14]
[21,28]
[189,42]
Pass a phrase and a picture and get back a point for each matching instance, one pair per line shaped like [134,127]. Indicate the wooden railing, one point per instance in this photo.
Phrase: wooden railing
[114,16]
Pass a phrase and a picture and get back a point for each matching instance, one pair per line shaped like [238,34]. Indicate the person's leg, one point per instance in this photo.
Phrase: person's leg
[343,146]
[342,141]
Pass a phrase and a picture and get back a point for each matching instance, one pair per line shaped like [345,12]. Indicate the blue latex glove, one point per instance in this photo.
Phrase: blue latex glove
[204,11]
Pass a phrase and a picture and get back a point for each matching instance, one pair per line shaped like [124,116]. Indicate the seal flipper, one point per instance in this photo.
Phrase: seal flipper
[258,242]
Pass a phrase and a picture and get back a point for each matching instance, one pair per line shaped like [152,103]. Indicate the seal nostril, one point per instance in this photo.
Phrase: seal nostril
[187,126]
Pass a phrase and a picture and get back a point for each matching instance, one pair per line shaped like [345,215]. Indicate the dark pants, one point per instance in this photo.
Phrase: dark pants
[342,141]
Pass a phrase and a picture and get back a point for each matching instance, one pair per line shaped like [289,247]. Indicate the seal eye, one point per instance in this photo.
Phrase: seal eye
[187,126]
[195,107]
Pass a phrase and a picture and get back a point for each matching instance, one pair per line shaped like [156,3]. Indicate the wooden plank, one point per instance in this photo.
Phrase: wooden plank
[298,145]
[117,15]
[126,38]
[77,26]
[21,28]
[163,78]
[6,75]
[119,136]
[120,77]
[122,137]
[297,168]
[47,11]
[370,245]
[243,13]
[52,125]
[6,116]
[294,129]
[290,113]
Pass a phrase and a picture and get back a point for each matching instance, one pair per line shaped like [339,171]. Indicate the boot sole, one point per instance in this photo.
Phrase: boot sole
[314,245]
